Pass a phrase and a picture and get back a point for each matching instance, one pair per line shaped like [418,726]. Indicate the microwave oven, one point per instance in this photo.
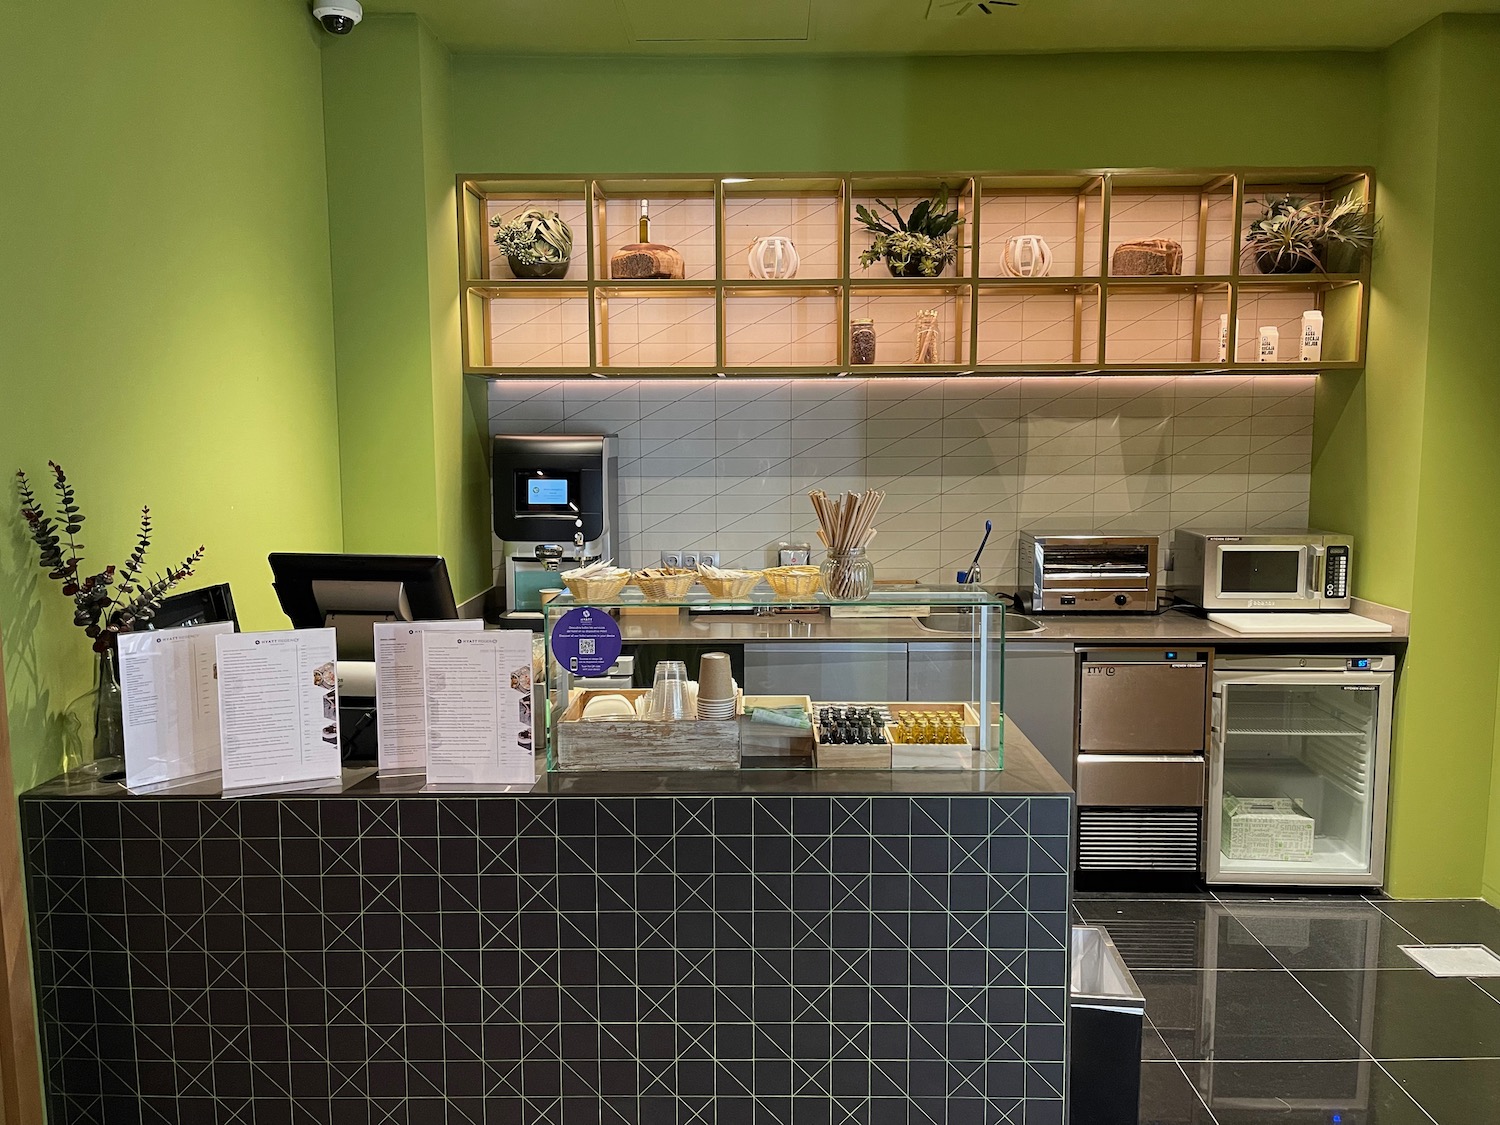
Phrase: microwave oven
[1296,570]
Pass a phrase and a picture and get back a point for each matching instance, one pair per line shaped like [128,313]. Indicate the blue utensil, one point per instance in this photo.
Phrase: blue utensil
[963,575]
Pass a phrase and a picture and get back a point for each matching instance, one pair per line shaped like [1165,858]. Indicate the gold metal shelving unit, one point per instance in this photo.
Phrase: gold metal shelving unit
[720,321]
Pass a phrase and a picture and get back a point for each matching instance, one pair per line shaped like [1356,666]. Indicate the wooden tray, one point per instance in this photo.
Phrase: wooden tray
[632,744]
[936,755]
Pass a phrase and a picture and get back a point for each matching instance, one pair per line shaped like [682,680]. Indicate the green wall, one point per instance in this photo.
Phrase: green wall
[812,114]
[413,465]
[1406,456]
[167,325]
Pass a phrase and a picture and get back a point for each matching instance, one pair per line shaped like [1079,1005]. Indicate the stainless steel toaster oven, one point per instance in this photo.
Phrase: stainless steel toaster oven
[1087,573]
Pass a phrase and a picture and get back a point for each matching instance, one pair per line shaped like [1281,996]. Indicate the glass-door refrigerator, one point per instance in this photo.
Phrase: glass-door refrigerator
[1299,770]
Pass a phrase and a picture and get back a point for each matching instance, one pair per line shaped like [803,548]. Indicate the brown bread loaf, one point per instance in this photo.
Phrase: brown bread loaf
[643,260]
[1152,257]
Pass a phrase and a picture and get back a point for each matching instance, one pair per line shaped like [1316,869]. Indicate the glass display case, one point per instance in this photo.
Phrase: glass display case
[770,680]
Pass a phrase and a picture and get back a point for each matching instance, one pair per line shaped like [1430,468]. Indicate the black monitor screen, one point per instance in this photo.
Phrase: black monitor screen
[423,578]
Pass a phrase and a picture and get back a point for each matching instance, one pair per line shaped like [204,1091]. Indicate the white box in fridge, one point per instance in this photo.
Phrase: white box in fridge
[1269,828]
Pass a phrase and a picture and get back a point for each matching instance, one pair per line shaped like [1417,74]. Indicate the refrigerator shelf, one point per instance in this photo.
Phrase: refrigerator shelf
[1293,719]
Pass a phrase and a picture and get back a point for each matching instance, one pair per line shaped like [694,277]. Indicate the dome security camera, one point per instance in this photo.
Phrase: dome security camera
[339,19]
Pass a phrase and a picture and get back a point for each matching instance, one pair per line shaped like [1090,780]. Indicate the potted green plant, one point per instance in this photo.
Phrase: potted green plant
[536,243]
[920,244]
[1295,235]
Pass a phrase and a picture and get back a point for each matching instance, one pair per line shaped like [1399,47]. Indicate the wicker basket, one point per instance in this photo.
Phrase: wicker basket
[1151,257]
[730,587]
[600,589]
[662,588]
[794,581]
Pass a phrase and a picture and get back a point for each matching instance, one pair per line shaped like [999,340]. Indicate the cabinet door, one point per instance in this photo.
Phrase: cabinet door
[855,673]
[940,673]
[1040,696]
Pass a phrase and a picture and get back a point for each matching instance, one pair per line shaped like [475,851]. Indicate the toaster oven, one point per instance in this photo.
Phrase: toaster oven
[1296,570]
[1087,573]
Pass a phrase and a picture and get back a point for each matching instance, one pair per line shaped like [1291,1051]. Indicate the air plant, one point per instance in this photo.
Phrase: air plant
[114,600]
[534,238]
[920,244]
[1296,235]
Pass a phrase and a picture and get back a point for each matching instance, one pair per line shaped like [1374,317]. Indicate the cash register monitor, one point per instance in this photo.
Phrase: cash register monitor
[350,593]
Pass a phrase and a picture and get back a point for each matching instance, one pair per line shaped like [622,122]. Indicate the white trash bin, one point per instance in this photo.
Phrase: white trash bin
[1108,1014]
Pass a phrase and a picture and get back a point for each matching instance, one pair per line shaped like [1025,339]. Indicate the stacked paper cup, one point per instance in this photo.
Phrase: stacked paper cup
[716,690]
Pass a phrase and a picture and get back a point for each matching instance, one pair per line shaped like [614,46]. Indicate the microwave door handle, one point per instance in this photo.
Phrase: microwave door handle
[1314,573]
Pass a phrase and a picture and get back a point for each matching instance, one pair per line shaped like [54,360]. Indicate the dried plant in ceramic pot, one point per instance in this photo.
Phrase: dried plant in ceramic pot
[1295,235]
[536,243]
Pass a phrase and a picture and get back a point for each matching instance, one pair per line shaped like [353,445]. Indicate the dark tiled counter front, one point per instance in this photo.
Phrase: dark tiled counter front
[558,956]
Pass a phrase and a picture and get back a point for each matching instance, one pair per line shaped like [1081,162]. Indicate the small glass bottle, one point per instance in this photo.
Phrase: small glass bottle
[847,575]
[861,342]
[643,228]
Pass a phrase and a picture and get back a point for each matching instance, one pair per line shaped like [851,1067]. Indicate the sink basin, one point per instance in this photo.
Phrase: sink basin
[756,629]
[952,622]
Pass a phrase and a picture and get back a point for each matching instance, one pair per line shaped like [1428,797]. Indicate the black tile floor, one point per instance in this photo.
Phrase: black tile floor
[1302,1009]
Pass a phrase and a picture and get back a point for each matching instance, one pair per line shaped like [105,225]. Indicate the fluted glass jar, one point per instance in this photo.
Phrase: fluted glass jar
[848,576]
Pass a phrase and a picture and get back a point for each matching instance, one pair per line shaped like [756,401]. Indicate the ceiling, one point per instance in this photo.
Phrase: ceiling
[917,26]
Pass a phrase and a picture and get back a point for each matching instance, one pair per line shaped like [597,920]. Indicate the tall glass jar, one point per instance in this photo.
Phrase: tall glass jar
[861,342]
[848,575]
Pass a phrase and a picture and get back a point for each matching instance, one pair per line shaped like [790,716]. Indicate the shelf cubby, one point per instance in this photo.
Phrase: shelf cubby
[1066,211]
[657,329]
[904,192]
[682,214]
[1037,325]
[1193,210]
[486,200]
[1280,303]
[1159,325]
[783,326]
[808,211]
[894,310]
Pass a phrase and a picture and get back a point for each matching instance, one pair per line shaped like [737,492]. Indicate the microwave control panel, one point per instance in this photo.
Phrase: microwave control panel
[1336,576]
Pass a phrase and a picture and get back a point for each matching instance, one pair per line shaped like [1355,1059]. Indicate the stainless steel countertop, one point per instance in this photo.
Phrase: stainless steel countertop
[1174,626]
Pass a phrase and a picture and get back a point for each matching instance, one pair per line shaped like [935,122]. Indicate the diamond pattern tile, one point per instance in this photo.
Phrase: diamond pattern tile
[545,960]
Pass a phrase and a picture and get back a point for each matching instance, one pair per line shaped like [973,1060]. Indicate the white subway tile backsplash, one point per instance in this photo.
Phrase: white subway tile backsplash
[718,464]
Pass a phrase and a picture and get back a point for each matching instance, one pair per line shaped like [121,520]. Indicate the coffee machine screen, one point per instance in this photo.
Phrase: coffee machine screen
[539,491]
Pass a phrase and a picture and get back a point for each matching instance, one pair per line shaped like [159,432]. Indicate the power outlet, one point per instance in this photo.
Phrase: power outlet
[690,559]
[708,558]
[671,558]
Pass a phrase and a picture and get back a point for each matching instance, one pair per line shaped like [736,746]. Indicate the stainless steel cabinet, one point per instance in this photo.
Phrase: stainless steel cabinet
[835,671]
[941,671]
[1041,697]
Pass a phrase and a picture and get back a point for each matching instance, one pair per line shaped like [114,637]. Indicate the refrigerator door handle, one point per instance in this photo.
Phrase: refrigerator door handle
[1213,808]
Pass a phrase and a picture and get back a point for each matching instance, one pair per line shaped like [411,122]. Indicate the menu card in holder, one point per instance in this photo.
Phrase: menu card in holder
[171,704]
[479,709]
[400,691]
[279,710]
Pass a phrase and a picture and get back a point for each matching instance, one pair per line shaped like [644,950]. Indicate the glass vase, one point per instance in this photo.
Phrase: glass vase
[109,718]
[847,576]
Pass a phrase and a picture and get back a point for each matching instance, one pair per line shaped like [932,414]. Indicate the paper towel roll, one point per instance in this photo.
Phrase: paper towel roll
[356,679]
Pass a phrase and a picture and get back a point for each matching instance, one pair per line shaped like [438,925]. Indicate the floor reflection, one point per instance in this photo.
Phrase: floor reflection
[1305,1009]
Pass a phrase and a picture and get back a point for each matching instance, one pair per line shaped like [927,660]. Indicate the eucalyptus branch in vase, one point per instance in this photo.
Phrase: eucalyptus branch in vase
[113,600]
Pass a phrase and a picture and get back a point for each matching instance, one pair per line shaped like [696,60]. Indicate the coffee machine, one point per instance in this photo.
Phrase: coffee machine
[556,506]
